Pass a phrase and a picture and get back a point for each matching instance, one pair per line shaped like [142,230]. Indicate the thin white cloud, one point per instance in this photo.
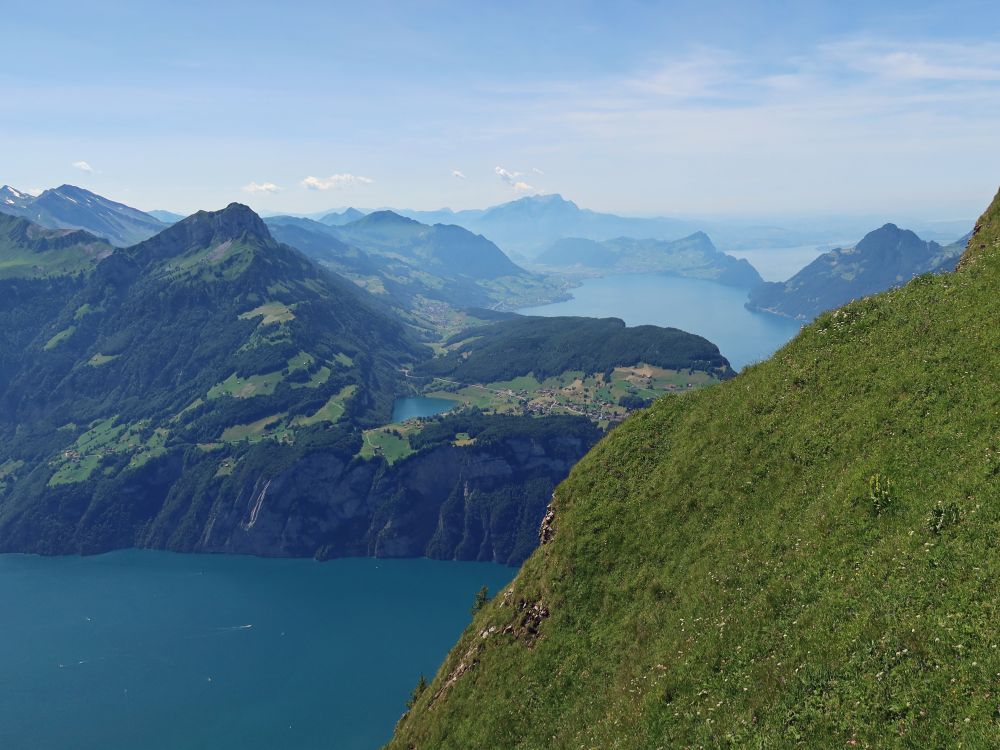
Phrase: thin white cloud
[458,173]
[335,181]
[536,170]
[507,176]
[83,167]
[911,61]
[35,191]
[264,187]
[703,74]
[889,109]
[511,179]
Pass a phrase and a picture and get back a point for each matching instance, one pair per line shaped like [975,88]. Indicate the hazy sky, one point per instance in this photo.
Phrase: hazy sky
[674,108]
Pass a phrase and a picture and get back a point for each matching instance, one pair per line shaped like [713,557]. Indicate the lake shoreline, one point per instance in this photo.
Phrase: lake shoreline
[714,311]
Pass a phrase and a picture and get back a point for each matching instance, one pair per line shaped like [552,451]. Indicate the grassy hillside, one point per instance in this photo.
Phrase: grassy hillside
[803,556]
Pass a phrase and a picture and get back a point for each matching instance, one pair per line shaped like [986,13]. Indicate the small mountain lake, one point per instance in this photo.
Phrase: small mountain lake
[419,406]
[154,650]
[702,307]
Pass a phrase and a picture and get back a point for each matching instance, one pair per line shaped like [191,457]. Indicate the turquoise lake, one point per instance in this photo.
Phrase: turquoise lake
[419,406]
[153,650]
[702,307]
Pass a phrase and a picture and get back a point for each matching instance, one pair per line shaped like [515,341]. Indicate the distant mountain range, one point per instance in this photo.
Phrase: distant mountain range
[71,207]
[167,217]
[30,251]
[346,216]
[885,258]
[529,225]
[692,257]
[412,263]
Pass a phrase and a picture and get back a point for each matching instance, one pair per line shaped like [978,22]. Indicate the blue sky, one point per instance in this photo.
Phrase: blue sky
[681,108]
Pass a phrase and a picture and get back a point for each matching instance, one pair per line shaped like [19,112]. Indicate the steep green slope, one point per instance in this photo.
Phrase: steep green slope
[803,556]
[208,390]
[883,259]
[39,270]
[205,346]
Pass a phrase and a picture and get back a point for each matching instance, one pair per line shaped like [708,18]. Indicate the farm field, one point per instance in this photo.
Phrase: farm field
[596,395]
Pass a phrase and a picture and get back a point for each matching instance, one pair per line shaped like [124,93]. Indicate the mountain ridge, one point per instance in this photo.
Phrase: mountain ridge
[26,249]
[693,256]
[884,258]
[415,265]
[72,207]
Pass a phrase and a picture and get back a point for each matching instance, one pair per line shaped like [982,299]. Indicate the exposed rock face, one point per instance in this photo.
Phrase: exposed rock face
[547,531]
[529,621]
[447,502]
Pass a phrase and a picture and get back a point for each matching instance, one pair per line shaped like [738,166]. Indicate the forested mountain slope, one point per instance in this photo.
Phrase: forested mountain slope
[183,351]
[208,390]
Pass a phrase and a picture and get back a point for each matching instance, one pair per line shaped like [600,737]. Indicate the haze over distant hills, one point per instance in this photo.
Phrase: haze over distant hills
[30,251]
[167,217]
[528,225]
[522,228]
[71,207]
[886,257]
[346,216]
[692,257]
[412,263]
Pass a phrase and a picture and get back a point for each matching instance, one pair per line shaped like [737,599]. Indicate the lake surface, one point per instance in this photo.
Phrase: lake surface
[159,651]
[420,406]
[702,307]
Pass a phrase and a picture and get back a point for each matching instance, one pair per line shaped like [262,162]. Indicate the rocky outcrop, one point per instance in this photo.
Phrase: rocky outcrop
[547,530]
[449,502]
[469,502]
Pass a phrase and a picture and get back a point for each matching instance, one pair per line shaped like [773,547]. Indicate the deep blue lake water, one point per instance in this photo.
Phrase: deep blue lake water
[702,307]
[159,651]
[419,406]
